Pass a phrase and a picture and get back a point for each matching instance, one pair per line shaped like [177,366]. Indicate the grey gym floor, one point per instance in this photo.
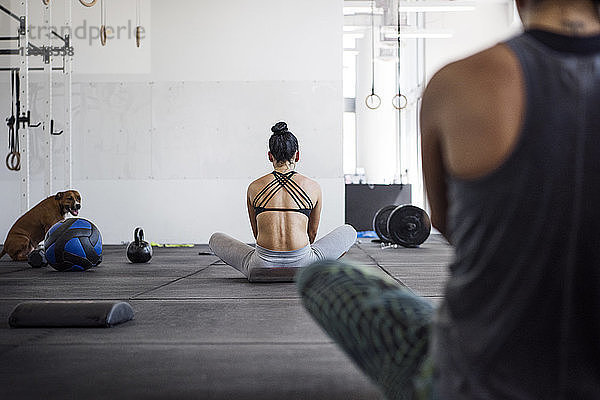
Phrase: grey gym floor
[201,331]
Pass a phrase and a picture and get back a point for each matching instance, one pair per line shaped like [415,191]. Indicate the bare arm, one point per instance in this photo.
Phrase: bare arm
[471,117]
[433,162]
[251,215]
[315,218]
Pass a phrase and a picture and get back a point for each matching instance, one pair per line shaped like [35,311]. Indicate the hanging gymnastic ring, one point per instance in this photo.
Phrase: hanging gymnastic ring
[138,35]
[103,35]
[88,3]
[46,2]
[18,158]
[13,161]
[373,96]
[399,106]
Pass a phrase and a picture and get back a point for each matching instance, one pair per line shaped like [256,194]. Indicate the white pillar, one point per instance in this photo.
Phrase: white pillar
[24,131]
[68,62]
[47,130]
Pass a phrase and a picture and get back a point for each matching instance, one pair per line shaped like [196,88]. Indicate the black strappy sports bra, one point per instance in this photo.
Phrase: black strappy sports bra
[285,181]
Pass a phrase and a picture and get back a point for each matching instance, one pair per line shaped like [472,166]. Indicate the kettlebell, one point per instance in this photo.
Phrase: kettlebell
[139,251]
[37,258]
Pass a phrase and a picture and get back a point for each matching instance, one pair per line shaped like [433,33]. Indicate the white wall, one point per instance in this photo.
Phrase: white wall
[168,136]
[491,21]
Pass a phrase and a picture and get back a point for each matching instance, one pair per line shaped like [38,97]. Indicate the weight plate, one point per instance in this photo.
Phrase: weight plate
[408,226]
[380,222]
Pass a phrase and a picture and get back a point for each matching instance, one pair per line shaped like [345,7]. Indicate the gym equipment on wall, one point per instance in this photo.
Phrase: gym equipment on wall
[102,23]
[13,159]
[19,158]
[373,101]
[14,122]
[139,251]
[138,26]
[103,27]
[88,3]
[406,225]
[399,101]
[30,49]
[22,119]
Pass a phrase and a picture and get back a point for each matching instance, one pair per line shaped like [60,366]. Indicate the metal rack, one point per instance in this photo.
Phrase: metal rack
[25,50]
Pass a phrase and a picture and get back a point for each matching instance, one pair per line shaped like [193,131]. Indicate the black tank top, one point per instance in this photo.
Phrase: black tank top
[285,182]
[521,316]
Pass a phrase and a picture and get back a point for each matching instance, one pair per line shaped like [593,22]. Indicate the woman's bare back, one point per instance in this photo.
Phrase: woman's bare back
[284,230]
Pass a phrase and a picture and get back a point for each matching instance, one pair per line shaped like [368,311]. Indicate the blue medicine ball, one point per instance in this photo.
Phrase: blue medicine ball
[74,244]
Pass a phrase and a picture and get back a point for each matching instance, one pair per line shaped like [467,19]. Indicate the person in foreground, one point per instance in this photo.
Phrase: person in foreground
[284,209]
[511,156]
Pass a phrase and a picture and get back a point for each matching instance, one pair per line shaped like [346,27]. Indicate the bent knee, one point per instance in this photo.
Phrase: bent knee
[350,234]
[350,230]
[215,239]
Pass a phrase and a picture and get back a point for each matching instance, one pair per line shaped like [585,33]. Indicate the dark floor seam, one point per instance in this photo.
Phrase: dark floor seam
[12,272]
[132,343]
[166,284]
[144,298]
[382,268]
[12,299]
[212,298]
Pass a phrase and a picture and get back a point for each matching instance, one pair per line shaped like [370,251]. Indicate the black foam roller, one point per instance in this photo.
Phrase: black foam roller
[272,274]
[55,314]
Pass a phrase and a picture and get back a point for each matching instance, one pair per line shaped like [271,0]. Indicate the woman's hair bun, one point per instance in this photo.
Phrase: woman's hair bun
[283,145]
[279,128]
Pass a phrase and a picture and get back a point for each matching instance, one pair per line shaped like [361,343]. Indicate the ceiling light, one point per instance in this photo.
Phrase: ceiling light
[420,34]
[436,6]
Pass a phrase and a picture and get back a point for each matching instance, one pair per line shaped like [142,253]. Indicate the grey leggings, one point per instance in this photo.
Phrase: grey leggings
[263,265]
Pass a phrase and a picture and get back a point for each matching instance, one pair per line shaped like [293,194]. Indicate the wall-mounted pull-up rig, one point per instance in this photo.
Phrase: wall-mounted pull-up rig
[19,123]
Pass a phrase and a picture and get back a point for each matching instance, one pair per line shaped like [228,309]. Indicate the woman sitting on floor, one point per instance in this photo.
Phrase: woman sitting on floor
[284,209]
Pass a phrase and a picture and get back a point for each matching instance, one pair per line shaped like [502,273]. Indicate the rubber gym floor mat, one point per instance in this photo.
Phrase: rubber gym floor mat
[200,330]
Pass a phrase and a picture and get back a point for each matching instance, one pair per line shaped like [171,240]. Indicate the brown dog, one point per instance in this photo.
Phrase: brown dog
[30,229]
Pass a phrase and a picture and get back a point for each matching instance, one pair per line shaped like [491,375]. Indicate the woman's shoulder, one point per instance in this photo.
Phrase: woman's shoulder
[307,183]
[298,176]
[266,177]
[258,184]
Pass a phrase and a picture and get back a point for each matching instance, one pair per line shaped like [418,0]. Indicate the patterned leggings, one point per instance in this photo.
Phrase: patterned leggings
[380,324]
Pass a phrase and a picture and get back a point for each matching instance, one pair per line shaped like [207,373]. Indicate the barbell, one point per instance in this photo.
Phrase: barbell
[406,225]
